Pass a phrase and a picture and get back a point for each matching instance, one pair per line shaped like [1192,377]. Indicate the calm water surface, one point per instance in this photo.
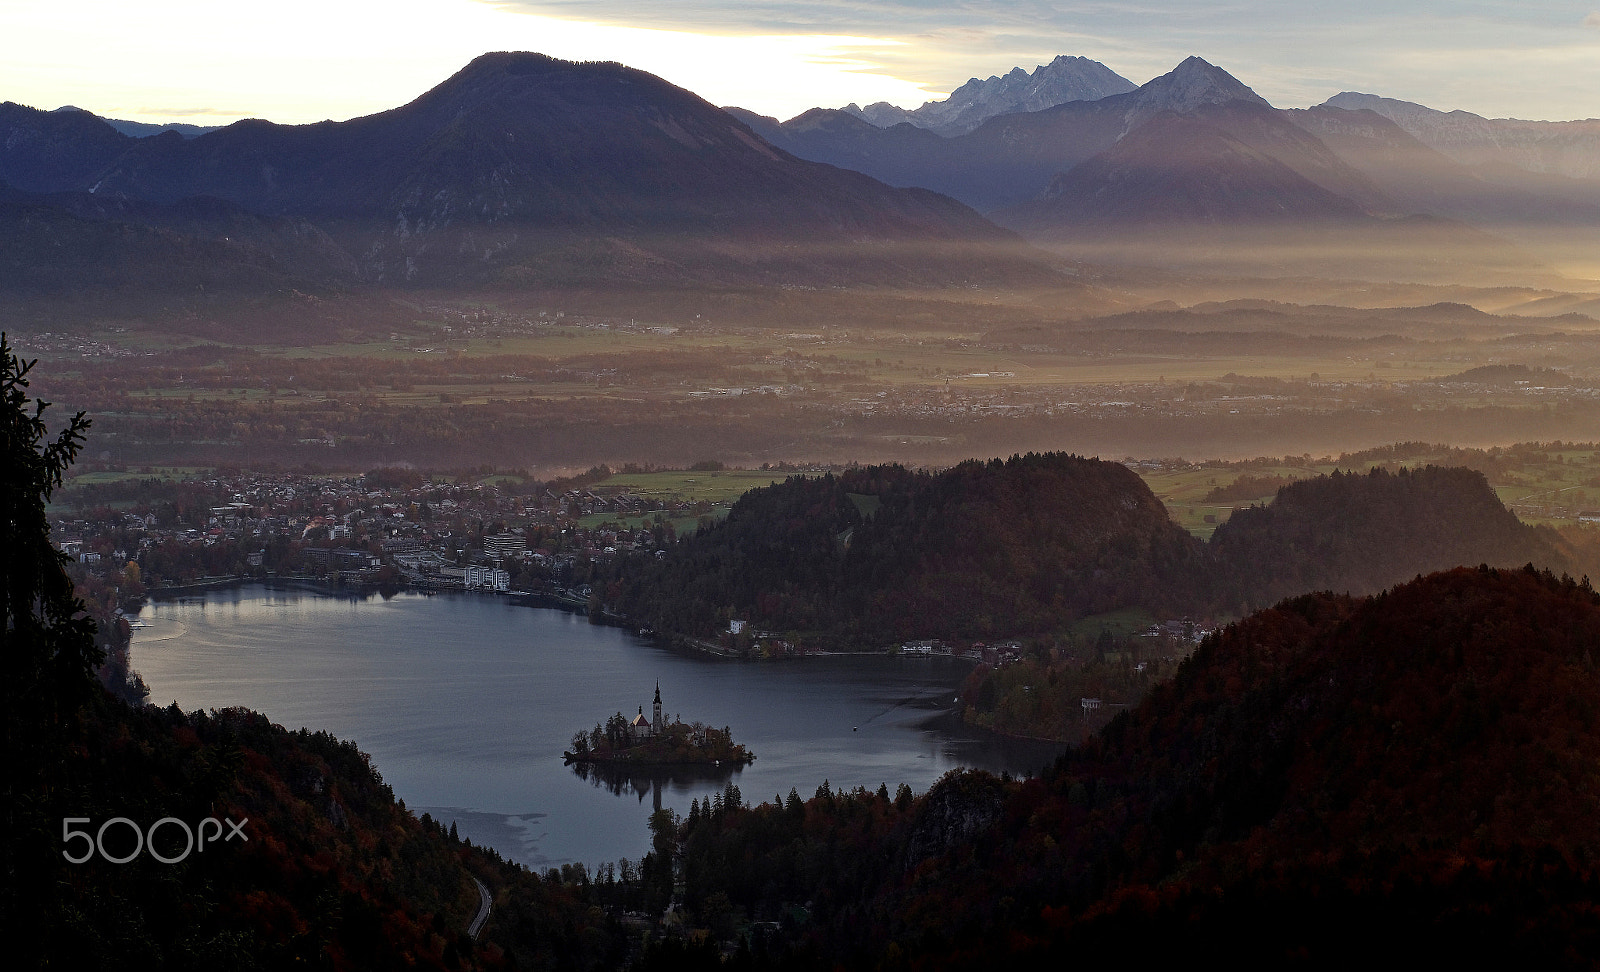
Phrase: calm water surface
[466,703]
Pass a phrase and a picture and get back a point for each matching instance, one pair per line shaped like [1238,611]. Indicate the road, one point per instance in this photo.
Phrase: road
[483,909]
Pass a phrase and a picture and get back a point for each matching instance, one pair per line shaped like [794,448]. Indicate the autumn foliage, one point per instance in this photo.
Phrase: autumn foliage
[1422,766]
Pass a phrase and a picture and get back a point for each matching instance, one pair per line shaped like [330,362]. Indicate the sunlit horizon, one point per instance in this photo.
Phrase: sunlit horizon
[209,64]
[138,69]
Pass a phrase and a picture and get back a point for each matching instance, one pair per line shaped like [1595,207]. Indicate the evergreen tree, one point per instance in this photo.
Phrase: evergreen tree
[46,642]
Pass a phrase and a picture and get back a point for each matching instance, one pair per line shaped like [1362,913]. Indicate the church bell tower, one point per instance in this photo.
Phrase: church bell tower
[655,710]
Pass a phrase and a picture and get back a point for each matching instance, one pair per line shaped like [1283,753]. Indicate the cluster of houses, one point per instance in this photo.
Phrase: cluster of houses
[471,536]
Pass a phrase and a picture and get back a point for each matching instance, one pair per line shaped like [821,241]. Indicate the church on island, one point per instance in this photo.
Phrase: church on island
[654,740]
[653,725]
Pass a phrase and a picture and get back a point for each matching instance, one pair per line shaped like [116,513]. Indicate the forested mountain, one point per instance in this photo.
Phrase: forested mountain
[1416,768]
[64,245]
[1357,533]
[882,553]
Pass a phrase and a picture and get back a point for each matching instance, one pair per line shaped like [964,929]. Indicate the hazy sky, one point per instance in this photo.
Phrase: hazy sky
[213,61]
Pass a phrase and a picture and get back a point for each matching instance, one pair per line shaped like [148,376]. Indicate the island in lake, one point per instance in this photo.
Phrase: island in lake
[655,741]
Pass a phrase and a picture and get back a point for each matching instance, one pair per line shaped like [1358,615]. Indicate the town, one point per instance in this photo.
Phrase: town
[390,528]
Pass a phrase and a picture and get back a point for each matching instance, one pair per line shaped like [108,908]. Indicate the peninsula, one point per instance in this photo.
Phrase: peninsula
[655,741]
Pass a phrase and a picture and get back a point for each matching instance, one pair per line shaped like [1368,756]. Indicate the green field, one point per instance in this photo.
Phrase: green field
[720,487]
[681,525]
[1567,478]
[1121,624]
[865,504]
[168,473]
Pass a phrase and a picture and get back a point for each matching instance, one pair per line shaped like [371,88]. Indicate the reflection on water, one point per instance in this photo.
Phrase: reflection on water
[642,781]
[466,703]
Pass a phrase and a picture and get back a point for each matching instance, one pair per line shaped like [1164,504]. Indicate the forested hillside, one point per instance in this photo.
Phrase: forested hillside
[985,549]
[1360,533]
[1027,546]
[1419,765]
[327,869]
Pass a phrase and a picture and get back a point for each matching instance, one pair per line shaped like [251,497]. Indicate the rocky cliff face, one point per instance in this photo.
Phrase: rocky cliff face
[958,808]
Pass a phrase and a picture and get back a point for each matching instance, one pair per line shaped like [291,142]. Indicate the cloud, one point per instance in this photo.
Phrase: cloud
[853,17]
[186,112]
[1432,51]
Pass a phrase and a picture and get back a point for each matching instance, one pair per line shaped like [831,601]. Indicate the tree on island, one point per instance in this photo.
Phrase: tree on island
[677,742]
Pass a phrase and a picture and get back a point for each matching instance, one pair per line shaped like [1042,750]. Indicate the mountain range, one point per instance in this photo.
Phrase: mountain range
[1564,148]
[1197,154]
[523,170]
[146,129]
[519,169]
[1062,80]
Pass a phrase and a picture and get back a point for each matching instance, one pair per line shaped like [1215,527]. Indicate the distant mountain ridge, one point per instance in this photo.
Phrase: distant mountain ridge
[523,170]
[1565,148]
[1009,159]
[1067,78]
[526,168]
[1194,145]
[1228,162]
[146,129]
[1194,165]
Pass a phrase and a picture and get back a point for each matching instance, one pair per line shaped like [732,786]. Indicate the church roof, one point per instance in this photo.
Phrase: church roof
[639,720]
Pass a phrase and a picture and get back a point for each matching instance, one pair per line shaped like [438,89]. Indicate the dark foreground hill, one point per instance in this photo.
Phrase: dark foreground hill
[1416,769]
[882,553]
[328,870]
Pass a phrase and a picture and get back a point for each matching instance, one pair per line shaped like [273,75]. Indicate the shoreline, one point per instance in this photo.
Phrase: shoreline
[541,599]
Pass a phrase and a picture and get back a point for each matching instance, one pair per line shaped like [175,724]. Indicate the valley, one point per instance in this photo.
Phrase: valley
[745,379]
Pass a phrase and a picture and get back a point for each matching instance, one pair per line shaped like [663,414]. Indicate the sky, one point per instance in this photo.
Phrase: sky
[211,62]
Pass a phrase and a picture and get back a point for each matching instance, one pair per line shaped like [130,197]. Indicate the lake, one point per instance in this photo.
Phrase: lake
[466,702]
